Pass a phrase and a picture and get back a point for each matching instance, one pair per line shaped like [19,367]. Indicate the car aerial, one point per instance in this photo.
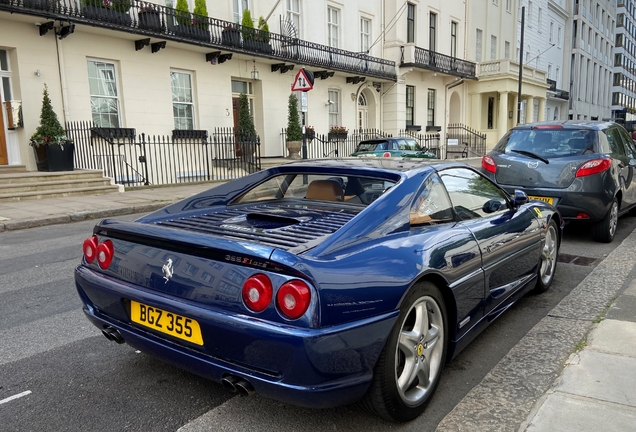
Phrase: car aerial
[321,283]
[392,147]
[585,169]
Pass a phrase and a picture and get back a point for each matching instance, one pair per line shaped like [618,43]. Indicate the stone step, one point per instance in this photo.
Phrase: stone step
[37,177]
[57,193]
[42,186]
[10,169]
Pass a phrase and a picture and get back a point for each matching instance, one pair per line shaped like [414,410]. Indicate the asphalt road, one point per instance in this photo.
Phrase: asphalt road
[65,376]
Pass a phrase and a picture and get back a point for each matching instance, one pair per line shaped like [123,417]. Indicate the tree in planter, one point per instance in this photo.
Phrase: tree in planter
[294,131]
[201,9]
[245,133]
[248,27]
[182,12]
[263,28]
[50,139]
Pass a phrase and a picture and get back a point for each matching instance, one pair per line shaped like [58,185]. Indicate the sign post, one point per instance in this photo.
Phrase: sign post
[303,82]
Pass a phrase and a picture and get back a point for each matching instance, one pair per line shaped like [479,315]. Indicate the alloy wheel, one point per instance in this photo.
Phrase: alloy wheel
[549,255]
[613,222]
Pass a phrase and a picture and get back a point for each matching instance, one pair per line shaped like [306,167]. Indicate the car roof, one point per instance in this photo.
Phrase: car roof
[373,164]
[380,139]
[570,124]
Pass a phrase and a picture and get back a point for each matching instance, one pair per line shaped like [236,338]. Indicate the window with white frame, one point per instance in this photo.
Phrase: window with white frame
[551,31]
[549,71]
[410,105]
[102,83]
[293,14]
[540,20]
[5,77]
[410,23]
[239,7]
[453,39]
[333,27]
[246,88]
[430,115]
[334,107]
[478,42]
[529,17]
[556,76]
[182,101]
[493,47]
[365,34]
[507,5]
[507,49]
[559,36]
[432,32]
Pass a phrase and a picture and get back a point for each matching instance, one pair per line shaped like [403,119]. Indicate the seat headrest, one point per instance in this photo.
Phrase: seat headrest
[325,190]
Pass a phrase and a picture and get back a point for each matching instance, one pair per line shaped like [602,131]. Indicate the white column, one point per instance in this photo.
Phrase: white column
[502,126]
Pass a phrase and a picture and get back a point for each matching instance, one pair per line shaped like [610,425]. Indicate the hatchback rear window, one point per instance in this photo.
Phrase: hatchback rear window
[549,143]
[373,146]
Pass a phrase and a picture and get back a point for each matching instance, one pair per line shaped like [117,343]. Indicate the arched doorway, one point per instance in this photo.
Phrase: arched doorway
[366,112]
[454,109]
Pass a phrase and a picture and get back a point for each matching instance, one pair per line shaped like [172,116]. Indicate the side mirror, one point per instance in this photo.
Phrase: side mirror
[520,198]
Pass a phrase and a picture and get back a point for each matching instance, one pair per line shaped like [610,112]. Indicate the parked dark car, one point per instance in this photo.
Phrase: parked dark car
[392,147]
[322,282]
[585,169]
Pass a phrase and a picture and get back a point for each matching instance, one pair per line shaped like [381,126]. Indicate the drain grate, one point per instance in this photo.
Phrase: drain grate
[576,259]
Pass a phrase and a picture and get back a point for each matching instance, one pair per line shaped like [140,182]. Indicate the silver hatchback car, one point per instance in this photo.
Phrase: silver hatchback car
[585,169]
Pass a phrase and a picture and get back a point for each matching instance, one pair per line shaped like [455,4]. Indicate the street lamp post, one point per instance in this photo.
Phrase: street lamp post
[523,19]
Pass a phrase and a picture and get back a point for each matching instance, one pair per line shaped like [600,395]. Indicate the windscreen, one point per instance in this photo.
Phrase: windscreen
[549,143]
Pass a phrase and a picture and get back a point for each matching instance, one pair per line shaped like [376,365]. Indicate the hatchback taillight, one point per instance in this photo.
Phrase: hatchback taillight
[488,164]
[257,292]
[293,299]
[386,154]
[90,249]
[595,166]
[105,253]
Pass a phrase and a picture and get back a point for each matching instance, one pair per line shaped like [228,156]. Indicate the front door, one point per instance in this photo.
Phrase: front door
[4,158]
[363,112]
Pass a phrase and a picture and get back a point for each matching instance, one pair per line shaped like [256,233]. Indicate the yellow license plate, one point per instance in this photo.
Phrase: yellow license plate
[544,199]
[166,322]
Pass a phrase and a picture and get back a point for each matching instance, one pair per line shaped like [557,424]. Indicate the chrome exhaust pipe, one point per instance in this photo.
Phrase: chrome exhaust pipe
[244,388]
[229,382]
[113,335]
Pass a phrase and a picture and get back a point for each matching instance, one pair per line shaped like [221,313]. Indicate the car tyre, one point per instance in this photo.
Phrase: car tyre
[410,365]
[548,260]
[605,230]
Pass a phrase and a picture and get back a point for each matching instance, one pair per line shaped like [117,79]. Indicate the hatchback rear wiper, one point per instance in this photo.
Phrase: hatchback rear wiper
[532,155]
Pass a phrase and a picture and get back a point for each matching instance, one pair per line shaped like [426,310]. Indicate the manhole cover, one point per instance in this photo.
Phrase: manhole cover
[576,259]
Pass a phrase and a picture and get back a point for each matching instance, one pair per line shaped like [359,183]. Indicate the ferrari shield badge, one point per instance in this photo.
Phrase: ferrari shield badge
[167,270]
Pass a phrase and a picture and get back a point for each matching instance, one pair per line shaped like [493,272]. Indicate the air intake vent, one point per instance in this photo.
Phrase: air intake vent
[295,229]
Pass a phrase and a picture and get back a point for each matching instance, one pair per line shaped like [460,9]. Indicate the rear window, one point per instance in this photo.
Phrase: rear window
[373,146]
[548,143]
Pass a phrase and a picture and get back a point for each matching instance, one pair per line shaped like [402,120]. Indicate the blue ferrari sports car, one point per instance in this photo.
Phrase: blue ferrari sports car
[325,282]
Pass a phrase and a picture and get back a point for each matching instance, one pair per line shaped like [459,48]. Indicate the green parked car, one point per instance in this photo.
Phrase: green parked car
[392,147]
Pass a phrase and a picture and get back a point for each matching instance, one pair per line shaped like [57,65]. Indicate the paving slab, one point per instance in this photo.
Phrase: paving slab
[614,337]
[601,376]
[631,289]
[565,413]
[624,309]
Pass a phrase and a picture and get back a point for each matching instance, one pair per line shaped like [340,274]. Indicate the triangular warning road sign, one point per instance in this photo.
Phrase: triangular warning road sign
[301,82]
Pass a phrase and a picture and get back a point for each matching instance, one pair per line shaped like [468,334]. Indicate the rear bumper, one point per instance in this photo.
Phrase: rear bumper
[590,196]
[317,368]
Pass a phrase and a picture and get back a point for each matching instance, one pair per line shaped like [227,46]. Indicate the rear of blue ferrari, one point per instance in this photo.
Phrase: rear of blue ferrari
[229,297]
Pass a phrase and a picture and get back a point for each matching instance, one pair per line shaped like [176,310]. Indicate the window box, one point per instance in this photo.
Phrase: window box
[192,32]
[335,136]
[231,36]
[150,20]
[257,46]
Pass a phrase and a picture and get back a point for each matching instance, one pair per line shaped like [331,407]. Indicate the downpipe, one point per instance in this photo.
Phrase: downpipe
[238,385]
[113,335]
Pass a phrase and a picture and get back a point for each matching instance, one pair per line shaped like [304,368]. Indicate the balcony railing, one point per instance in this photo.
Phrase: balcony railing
[425,59]
[149,19]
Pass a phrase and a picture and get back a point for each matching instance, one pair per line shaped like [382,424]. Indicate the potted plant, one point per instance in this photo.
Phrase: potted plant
[113,11]
[248,31]
[338,133]
[54,151]
[150,17]
[245,134]
[231,36]
[310,132]
[262,36]
[294,134]
[193,26]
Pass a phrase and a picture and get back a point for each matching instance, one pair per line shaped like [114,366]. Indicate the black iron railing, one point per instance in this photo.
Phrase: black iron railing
[428,142]
[138,159]
[435,61]
[462,142]
[149,19]
[320,146]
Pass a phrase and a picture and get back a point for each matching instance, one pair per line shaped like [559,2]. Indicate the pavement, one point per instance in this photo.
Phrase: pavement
[574,371]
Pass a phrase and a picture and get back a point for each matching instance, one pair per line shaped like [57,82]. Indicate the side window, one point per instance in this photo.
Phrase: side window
[615,142]
[401,145]
[432,204]
[627,142]
[472,195]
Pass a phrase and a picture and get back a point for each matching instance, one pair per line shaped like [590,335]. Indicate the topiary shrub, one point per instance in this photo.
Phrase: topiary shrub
[246,128]
[263,30]
[248,25]
[182,12]
[294,130]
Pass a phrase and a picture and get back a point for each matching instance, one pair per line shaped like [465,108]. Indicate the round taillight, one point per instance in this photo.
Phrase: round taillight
[257,292]
[386,154]
[105,252]
[293,299]
[90,249]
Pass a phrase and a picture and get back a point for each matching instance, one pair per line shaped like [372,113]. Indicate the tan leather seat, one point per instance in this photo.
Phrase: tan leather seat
[325,190]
